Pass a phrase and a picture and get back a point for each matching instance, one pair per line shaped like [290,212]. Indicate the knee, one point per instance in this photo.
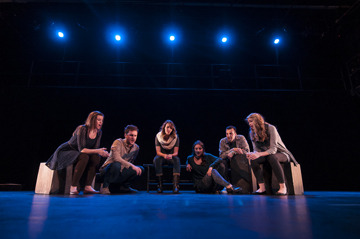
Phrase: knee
[95,159]
[272,158]
[157,159]
[254,164]
[221,167]
[115,166]
[176,160]
[214,172]
[83,157]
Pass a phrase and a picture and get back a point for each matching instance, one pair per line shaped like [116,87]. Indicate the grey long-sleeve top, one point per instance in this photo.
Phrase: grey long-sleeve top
[123,153]
[273,145]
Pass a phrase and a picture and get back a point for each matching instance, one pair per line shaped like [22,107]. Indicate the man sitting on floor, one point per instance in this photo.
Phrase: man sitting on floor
[119,167]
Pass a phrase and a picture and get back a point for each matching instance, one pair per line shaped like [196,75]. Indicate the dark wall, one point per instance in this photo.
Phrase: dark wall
[320,128]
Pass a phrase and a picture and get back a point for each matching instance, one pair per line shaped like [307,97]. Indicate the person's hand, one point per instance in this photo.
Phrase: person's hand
[104,153]
[168,156]
[188,168]
[253,155]
[238,150]
[137,170]
[230,155]
[209,171]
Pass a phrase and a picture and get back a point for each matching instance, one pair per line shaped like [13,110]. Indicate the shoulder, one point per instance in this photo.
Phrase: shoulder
[117,141]
[223,140]
[137,147]
[271,127]
[208,155]
[80,130]
[239,136]
[190,157]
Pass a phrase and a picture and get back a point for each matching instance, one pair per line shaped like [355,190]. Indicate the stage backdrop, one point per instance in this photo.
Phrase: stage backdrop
[321,129]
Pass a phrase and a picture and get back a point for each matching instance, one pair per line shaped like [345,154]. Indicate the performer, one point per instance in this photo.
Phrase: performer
[268,147]
[207,170]
[119,167]
[81,150]
[167,148]
[232,150]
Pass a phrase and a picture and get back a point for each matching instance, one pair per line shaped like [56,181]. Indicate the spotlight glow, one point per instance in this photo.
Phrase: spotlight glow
[172,38]
[60,34]
[276,41]
[224,39]
[118,37]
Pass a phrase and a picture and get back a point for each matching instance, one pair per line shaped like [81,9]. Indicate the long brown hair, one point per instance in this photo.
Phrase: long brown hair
[91,119]
[173,132]
[198,142]
[259,133]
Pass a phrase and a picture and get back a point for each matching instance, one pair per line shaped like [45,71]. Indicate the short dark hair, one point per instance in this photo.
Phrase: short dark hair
[131,127]
[231,127]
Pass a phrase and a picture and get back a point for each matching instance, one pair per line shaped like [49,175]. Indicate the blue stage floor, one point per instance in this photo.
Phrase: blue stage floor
[187,215]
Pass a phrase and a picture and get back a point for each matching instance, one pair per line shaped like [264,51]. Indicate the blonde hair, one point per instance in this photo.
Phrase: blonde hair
[91,119]
[259,133]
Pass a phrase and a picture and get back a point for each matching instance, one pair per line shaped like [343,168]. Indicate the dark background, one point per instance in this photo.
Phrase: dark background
[49,86]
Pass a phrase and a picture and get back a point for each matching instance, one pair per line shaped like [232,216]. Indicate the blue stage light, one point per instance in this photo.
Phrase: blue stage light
[118,37]
[60,34]
[172,38]
[224,39]
[277,40]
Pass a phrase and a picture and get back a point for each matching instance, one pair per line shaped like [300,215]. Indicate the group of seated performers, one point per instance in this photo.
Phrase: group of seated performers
[209,172]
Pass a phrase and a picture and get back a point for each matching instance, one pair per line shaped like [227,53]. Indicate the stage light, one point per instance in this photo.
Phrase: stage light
[276,41]
[172,38]
[118,37]
[60,34]
[224,39]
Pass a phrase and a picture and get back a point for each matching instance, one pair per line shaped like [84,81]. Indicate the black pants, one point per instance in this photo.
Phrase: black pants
[80,164]
[274,160]
[112,174]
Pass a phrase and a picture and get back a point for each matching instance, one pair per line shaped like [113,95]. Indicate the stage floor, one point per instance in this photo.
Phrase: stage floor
[186,215]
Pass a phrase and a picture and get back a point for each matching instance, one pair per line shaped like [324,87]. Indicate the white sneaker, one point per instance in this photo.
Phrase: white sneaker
[224,191]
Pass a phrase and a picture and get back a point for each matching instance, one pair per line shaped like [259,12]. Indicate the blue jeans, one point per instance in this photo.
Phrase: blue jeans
[160,161]
[112,174]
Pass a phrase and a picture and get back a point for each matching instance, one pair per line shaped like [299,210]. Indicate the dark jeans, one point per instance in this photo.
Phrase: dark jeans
[160,161]
[206,185]
[112,174]
[80,164]
[274,160]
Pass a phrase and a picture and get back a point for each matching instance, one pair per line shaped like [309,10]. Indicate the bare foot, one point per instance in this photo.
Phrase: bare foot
[282,191]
